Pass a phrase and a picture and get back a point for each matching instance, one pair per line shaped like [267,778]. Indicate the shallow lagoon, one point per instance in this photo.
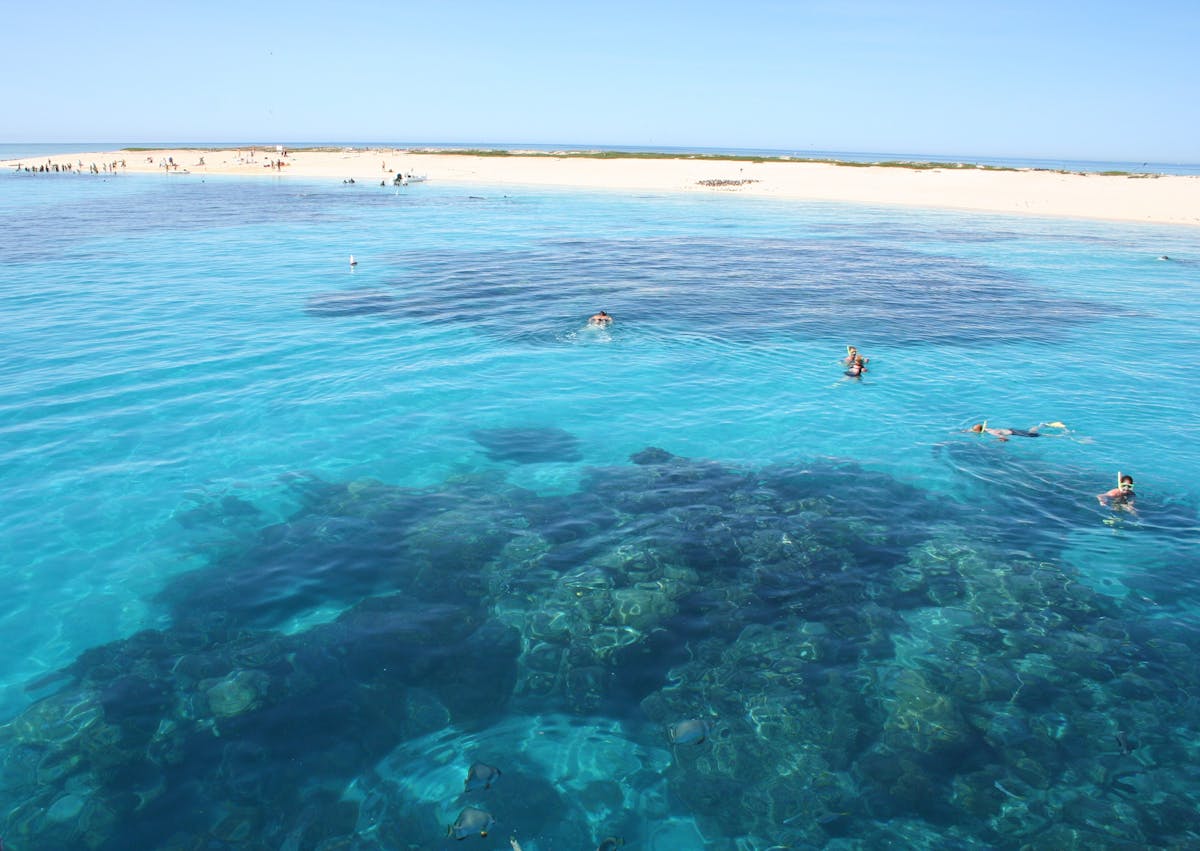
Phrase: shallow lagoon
[289,545]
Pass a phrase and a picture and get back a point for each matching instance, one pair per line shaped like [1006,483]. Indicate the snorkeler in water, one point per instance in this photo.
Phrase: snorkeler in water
[600,319]
[852,356]
[1006,433]
[1121,497]
[857,367]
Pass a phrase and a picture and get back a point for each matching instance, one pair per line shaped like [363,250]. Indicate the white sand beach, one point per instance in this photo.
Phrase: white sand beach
[1166,199]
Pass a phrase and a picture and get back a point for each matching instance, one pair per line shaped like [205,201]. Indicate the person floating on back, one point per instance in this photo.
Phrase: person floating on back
[1006,433]
[600,319]
[1121,497]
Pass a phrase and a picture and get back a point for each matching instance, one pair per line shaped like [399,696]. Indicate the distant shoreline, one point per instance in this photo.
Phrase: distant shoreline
[611,154]
[1112,196]
[10,151]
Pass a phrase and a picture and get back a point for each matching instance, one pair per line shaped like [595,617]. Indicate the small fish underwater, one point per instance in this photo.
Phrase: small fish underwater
[481,776]
[470,821]
[1127,747]
[690,732]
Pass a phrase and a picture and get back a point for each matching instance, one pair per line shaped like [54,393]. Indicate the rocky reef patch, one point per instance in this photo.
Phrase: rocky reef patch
[799,655]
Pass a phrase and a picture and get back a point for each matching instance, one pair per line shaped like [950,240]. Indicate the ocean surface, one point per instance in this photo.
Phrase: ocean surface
[289,545]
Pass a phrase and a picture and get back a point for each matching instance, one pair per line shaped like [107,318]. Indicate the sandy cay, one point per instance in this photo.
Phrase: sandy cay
[1167,199]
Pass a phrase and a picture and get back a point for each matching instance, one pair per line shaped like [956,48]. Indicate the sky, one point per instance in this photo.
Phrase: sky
[1070,79]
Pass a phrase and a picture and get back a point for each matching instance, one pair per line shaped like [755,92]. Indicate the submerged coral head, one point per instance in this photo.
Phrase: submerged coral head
[651,455]
[528,444]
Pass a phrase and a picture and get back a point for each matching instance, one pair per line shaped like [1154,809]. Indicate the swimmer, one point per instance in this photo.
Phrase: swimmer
[857,367]
[852,355]
[353,262]
[1121,496]
[1006,433]
[600,319]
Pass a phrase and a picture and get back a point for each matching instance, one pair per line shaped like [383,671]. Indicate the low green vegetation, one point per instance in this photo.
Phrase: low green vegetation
[746,158]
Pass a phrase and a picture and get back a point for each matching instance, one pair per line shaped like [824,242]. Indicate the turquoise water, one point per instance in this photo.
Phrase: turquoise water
[289,544]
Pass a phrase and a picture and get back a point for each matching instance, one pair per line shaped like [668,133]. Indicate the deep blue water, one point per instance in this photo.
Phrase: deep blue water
[289,545]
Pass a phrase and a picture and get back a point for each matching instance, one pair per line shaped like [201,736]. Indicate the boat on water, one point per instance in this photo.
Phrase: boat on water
[405,179]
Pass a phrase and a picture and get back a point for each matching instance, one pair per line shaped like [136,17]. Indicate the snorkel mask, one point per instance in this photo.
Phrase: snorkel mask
[1121,485]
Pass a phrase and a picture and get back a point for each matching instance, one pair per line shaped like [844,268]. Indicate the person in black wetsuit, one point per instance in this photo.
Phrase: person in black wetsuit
[1006,433]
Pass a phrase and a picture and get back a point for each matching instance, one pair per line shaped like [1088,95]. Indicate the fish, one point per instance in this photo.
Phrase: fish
[690,732]
[1124,788]
[1127,747]
[610,843]
[470,821]
[481,776]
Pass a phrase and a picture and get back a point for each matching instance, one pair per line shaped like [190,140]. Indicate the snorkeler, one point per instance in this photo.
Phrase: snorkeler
[600,319]
[857,367]
[853,356]
[1121,496]
[1006,433]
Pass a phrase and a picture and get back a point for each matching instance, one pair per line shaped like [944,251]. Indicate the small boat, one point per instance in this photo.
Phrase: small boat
[405,179]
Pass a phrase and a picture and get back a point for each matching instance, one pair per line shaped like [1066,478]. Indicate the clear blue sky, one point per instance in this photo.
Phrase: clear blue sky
[1051,78]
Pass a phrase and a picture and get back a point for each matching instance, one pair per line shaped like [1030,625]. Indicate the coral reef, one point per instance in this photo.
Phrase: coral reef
[818,653]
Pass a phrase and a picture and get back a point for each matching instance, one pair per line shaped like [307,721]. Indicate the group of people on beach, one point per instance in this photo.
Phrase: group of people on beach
[49,167]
